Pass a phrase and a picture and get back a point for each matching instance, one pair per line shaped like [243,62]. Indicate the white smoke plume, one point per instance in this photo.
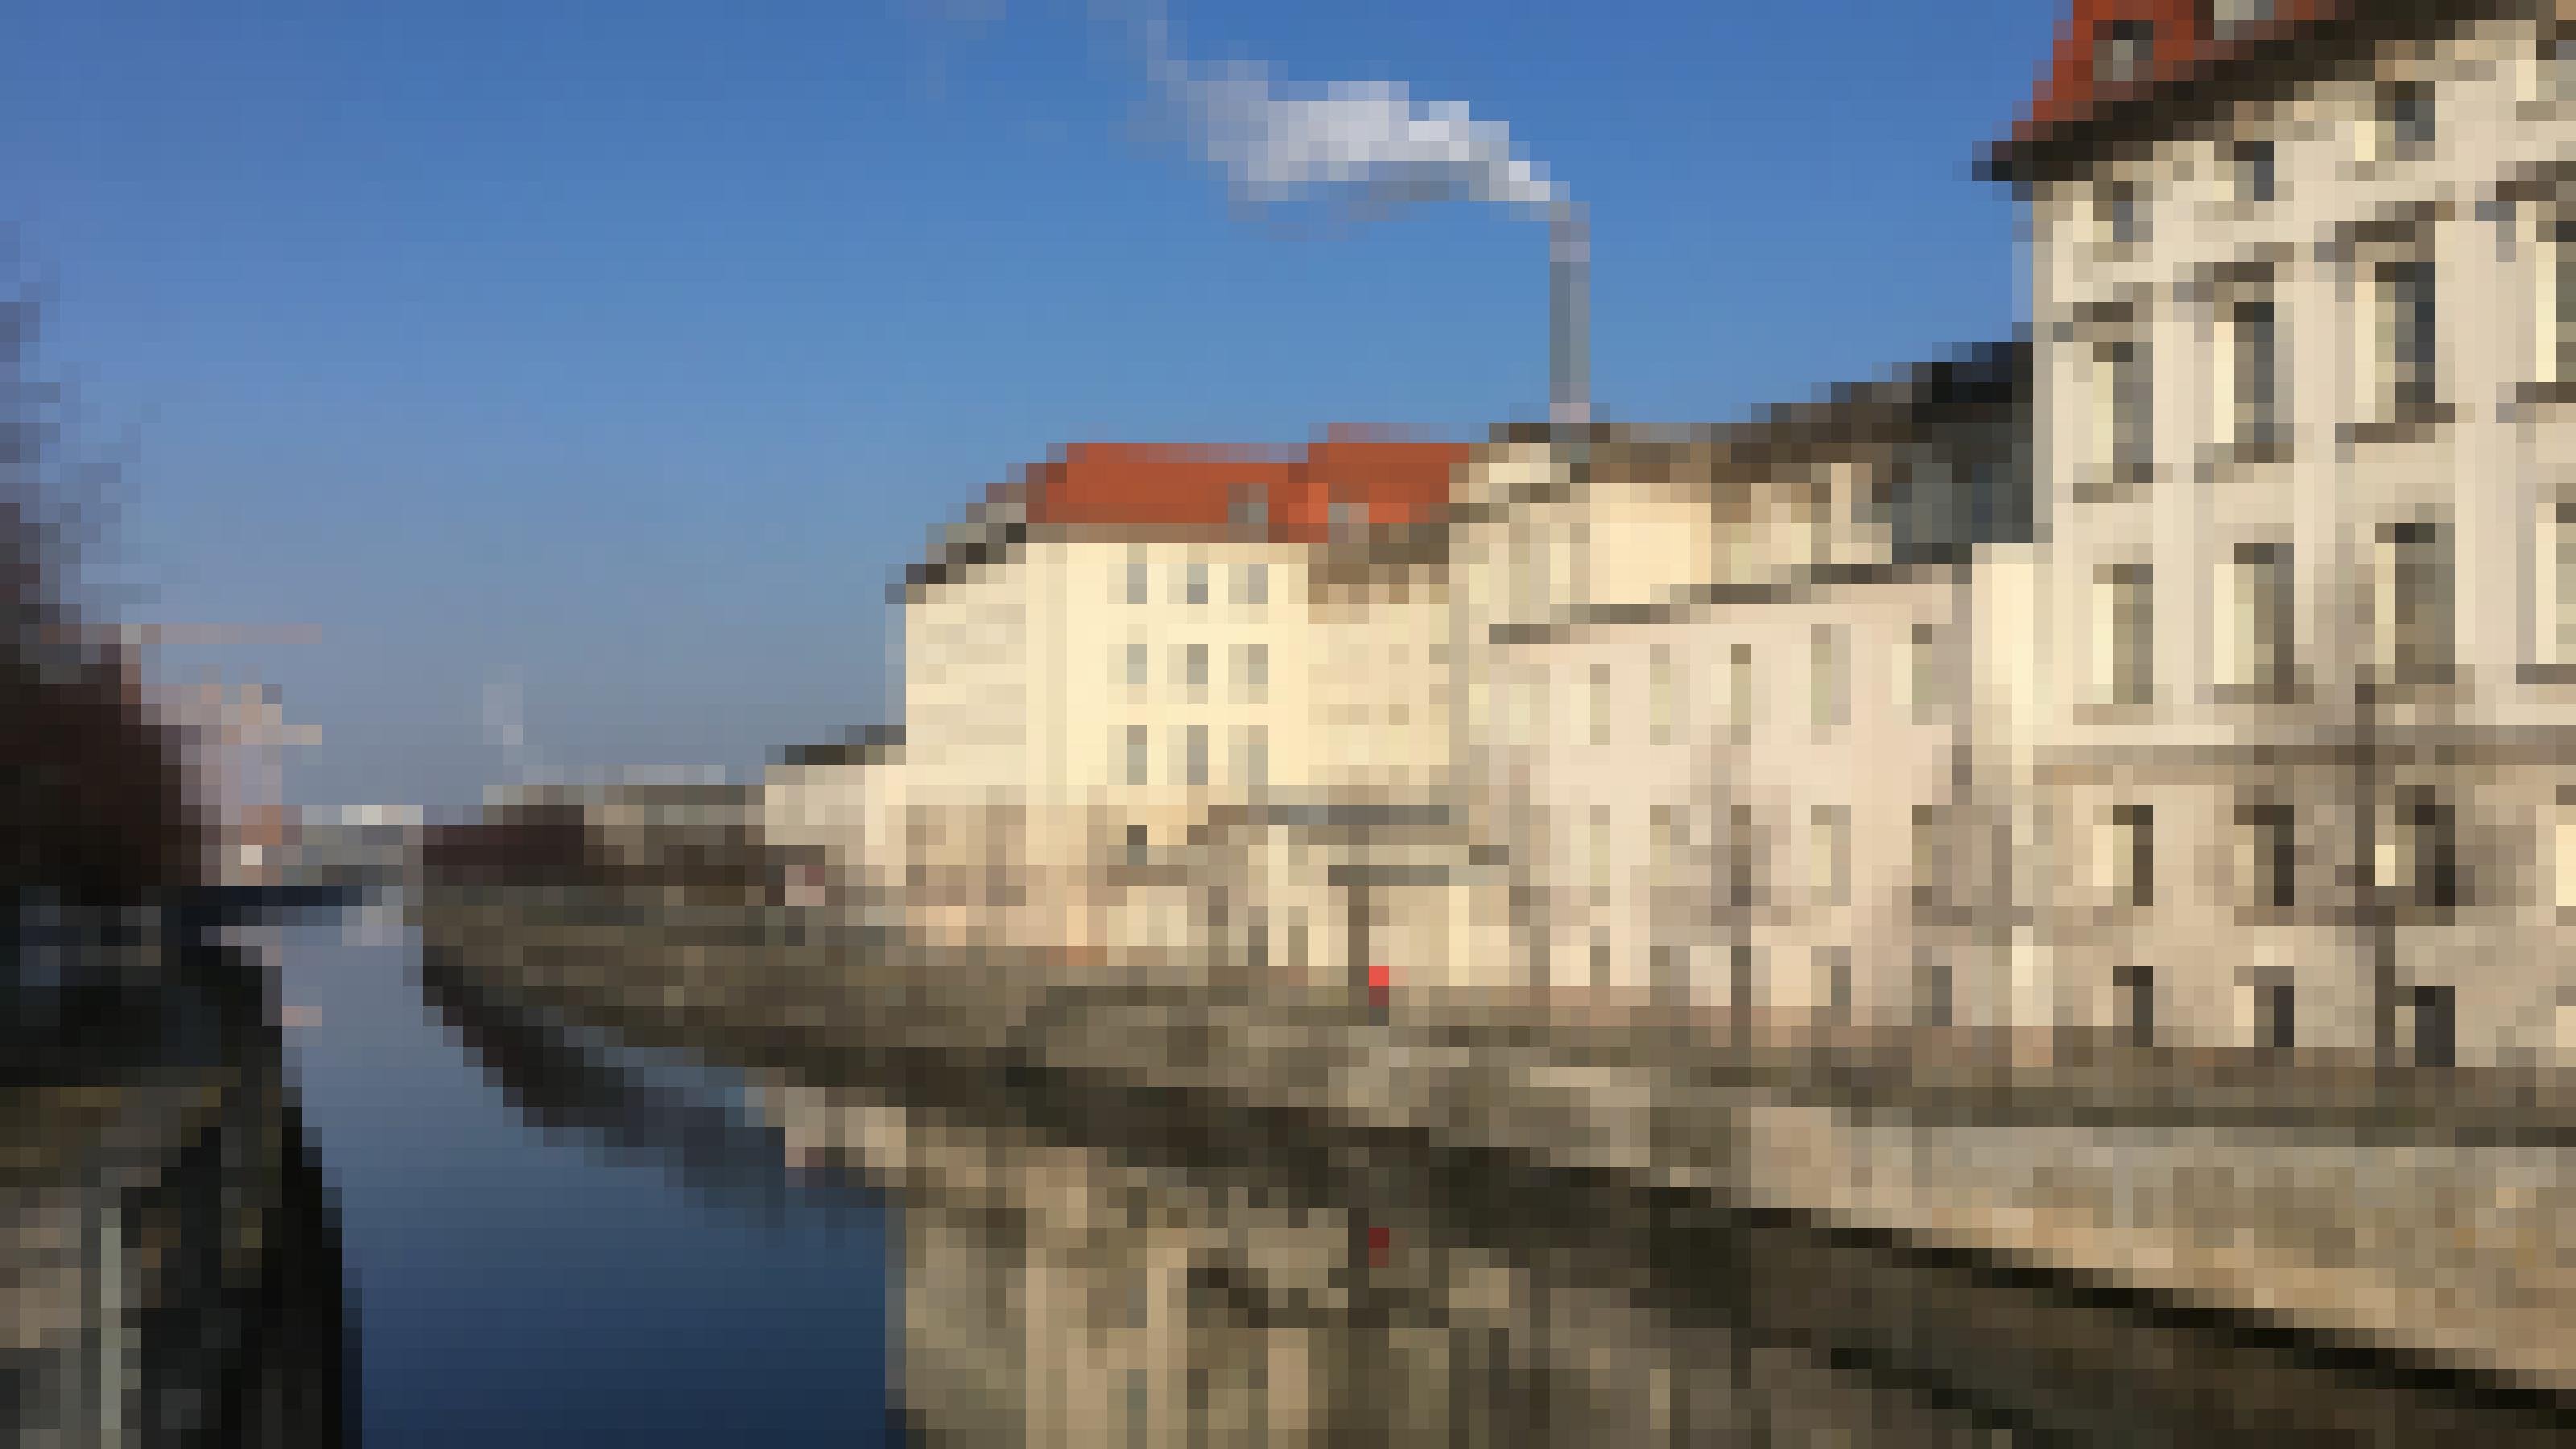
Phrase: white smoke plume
[1367,146]
[1364,143]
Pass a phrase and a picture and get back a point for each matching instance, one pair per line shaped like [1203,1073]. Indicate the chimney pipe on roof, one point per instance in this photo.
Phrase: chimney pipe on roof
[1569,315]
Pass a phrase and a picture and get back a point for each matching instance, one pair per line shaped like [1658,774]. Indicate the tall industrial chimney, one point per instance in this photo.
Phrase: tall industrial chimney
[1569,315]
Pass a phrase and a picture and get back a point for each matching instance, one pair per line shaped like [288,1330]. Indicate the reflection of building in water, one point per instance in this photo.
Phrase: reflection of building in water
[1053,1296]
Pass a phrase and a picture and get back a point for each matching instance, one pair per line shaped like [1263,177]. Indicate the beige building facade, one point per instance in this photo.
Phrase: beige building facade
[1129,644]
[2304,471]
[1725,704]
[1743,799]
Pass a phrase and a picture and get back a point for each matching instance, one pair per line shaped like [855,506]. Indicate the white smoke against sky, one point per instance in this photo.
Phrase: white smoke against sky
[1362,148]
[1362,144]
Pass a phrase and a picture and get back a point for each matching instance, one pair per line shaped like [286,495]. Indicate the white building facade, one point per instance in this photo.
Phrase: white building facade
[2303,461]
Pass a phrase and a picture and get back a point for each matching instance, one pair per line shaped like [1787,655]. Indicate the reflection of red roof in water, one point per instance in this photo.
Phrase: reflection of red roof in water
[1149,485]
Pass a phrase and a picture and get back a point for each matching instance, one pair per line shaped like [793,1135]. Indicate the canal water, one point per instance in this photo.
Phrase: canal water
[520,1284]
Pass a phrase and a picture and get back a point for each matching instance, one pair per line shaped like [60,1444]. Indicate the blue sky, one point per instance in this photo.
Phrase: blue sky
[630,349]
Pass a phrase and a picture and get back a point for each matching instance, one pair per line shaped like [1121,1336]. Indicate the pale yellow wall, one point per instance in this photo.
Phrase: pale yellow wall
[1382,688]
[1102,626]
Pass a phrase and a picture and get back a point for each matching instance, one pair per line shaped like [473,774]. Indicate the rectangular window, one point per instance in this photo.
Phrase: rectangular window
[2563,551]
[1739,693]
[2124,52]
[1740,859]
[2124,636]
[1660,683]
[2267,854]
[1600,852]
[2134,988]
[2123,412]
[2129,861]
[1137,574]
[1829,861]
[1256,758]
[1254,588]
[2405,118]
[1194,586]
[1139,766]
[1136,665]
[2555,280]
[1932,991]
[2257,655]
[2562,848]
[1256,673]
[1194,668]
[2419,853]
[1925,675]
[2409,339]
[1195,763]
[2231,19]
[1933,849]
[2124,217]
[2253,171]
[2435,1012]
[1530,573]
[2254,355]
[1600,702]
[2276,1013]
[1827,670]
[2413,588]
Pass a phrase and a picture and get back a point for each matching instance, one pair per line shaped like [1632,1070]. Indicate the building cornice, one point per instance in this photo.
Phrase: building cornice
[1803,586]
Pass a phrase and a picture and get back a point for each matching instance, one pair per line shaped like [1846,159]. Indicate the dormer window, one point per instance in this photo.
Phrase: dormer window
[1249,510]
[2231,19]
[1347,522]
[2124,52]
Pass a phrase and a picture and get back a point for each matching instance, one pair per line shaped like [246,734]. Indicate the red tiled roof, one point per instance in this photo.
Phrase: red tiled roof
[1151,485]
[2183,47]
